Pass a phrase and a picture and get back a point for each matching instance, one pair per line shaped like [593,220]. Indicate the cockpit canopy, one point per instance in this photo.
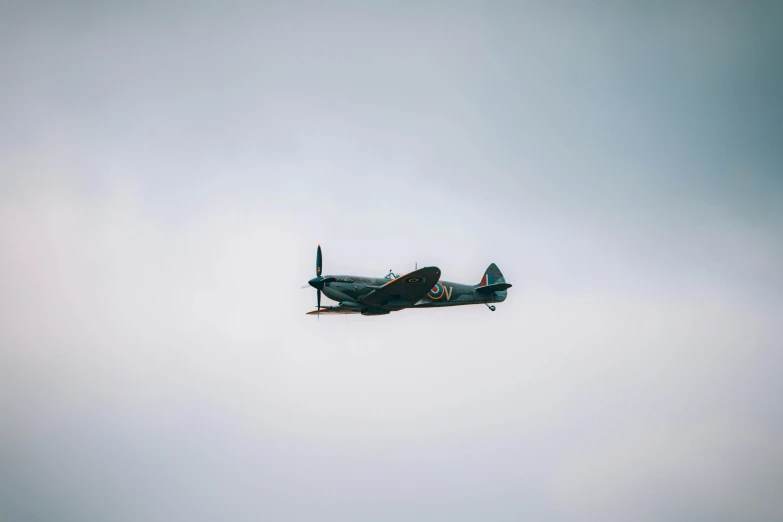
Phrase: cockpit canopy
[391,275]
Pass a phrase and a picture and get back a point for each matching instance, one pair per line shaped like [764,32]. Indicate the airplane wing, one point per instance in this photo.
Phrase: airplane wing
[405,290]
[334,310]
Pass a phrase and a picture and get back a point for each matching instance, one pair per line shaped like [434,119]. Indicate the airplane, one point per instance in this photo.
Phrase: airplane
[421,288]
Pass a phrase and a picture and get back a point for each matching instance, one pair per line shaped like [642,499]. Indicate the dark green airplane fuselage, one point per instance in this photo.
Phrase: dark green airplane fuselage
[351,289]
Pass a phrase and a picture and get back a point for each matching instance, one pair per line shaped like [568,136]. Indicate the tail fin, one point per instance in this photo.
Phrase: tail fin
[492,275]
[493,281]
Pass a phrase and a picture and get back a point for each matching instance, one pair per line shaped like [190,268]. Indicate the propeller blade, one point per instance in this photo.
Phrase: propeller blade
[303,287]
[319,281]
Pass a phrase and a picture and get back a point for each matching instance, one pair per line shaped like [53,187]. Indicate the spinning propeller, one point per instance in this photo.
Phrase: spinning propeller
[319,281]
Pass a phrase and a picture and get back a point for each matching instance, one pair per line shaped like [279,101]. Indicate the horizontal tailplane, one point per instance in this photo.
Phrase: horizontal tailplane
[497,287]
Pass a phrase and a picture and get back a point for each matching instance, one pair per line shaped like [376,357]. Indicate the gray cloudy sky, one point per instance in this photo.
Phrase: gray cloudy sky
[166,172]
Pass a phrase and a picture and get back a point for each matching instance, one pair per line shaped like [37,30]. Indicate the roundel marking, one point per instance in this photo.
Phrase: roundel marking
[414,280]
[436,292]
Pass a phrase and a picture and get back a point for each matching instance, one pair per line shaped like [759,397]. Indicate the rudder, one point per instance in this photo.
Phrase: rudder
[492,275]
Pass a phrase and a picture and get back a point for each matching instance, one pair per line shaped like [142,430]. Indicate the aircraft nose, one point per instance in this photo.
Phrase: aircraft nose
[316,282]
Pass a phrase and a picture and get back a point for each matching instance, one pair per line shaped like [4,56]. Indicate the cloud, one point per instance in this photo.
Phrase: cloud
[161,204]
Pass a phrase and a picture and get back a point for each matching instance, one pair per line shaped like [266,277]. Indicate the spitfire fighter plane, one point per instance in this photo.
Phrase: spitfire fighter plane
[421,288]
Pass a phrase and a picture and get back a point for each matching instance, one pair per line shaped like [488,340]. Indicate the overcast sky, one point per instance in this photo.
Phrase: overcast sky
[166,173]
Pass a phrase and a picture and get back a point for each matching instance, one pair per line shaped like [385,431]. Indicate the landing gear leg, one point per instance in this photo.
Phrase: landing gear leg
[491,307]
